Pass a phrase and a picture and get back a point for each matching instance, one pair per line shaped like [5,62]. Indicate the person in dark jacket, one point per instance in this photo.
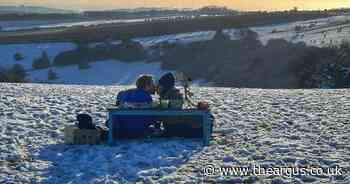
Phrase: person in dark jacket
[180,126]
[167,89]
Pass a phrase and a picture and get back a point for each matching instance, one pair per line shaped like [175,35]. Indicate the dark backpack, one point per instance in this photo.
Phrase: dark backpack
[85,122]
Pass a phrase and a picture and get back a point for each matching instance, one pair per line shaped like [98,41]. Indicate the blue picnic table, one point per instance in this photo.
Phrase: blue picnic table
[205,117]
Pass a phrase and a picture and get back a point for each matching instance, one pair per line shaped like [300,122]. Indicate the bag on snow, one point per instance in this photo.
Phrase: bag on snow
[85,122]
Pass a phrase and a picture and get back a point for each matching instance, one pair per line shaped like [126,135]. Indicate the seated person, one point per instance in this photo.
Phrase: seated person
[134,127]
[167,91]
[188,127]
[141,94]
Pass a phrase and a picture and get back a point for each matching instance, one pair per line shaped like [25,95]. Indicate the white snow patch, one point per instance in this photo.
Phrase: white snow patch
[25,25]
[317,32]
[30,52]
[183,38]
[101,73]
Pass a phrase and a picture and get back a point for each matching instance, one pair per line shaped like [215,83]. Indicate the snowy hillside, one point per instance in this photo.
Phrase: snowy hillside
[101,73]
[24,25]
[42,24]
[183,38]
[318,32]
[30,24]
[31,9]
[30,52]
[269,128]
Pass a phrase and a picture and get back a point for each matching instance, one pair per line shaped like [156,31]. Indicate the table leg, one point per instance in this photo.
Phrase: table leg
[110,131]
[206,130]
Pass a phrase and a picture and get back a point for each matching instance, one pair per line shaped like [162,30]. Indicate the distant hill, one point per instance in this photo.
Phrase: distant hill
[141,9]
[160,12]
[32,9]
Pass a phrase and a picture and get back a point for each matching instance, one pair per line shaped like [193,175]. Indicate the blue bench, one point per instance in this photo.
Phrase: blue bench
[173,119]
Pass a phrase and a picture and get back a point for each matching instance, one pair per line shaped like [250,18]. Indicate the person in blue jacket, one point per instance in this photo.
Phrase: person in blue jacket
[133,127]
[141,94]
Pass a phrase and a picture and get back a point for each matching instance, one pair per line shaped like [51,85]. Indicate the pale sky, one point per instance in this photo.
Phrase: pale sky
[234,4]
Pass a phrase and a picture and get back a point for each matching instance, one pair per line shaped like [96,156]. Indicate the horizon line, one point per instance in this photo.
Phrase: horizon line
[171,8]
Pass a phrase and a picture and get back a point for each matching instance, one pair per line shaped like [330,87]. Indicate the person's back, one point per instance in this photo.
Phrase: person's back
[136,126]
[136,96]
[141,94]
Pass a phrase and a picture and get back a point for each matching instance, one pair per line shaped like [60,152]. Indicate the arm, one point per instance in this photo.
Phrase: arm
[121,98]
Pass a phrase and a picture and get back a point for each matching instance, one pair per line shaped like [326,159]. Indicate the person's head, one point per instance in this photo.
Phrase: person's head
[166,82]
[146,83]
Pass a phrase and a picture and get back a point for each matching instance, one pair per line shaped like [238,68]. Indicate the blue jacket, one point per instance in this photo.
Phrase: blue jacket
[134,125]
[134,96]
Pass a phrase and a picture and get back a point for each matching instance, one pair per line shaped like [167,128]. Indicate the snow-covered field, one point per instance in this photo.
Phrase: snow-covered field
[318,32]
[24,25]
[183,38]
[27,24]
[101,73]
[30,52]
[270,128]
[42,24]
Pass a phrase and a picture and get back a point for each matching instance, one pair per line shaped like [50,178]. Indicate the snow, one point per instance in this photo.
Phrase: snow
[26,24]
[318,32]
[93,23]
[312,36]
[29,24]
[183,38]
[101,73]
[275,128]
[30,52]
[42,24]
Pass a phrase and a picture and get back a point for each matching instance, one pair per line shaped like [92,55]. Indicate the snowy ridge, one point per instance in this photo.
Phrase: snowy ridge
[318,32]
[183,38]
[32,9]
[25,25]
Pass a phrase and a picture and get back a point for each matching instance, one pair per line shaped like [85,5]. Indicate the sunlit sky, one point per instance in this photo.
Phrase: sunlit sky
[269,5]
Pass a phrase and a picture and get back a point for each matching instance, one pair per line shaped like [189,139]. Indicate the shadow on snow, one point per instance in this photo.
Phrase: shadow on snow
[130,161]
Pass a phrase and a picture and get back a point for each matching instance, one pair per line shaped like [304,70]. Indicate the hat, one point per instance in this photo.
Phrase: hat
[167,81]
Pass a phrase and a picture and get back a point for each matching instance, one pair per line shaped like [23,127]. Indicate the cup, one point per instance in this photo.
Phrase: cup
[164,104]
